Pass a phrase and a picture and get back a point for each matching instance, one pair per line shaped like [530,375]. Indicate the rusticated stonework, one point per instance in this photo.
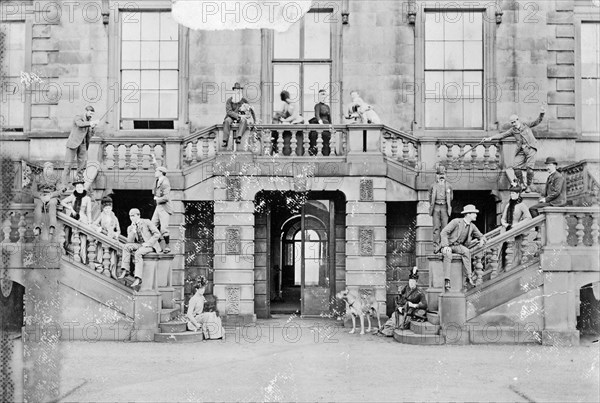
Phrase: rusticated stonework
[234,189]
[365,240]
[366,190]
[233,300]
[234,242]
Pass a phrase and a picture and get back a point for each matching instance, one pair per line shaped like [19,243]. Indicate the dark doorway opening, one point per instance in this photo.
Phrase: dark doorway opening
[588,321]
[483,200]
[125,200]
[12,311]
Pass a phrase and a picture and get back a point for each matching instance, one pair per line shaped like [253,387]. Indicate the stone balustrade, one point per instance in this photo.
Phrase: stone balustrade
[582,186]
[462,154]
[399,146]
[132,153]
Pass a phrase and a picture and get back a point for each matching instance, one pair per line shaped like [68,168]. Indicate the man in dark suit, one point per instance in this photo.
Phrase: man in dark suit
[163,210]
[555,193]
[456,238]
[79,142]
[234,115]
[142,238]
[440,204]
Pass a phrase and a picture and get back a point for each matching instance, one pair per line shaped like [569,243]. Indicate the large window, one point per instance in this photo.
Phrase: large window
[590,78]
[302,61]
[454,70]
[12,116]
[149,66]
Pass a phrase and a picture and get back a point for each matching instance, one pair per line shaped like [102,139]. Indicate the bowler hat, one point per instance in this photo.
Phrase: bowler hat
[237,86]
[414,275]
[469,208]
[440,170]
[551,160]
[106,201]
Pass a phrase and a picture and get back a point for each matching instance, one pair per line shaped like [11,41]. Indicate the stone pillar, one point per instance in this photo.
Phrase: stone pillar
[234,251]
[366,239]
[452,304]
[177,245]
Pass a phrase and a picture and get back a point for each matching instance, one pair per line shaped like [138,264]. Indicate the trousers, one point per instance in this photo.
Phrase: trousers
[465,254]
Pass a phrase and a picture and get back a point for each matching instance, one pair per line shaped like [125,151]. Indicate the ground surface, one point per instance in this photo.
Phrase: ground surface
[304,362]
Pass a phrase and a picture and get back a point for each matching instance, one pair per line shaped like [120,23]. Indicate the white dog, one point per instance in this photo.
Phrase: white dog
[361,307]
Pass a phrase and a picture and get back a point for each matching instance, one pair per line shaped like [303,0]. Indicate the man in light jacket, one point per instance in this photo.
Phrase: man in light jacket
[79,142]
[163,210]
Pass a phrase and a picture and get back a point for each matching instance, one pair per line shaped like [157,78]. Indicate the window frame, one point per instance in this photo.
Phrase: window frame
[269,62]
[181,124]
[489,118]
[578,21]
[26,17]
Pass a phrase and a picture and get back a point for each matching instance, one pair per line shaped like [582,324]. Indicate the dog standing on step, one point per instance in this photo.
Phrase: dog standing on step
[361,307]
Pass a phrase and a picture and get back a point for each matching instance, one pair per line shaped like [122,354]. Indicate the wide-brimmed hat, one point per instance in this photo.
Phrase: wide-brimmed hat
[469,208]
[551,160]
[162,169]
[414,274]
[106,201]
[237,86]
[78,180]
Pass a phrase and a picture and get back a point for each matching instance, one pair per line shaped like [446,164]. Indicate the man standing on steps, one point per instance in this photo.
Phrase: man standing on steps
[163,210]
[555,193]
[79,142]
[527,146]
[45,192]
[440,205]
[142,238]
[456,238]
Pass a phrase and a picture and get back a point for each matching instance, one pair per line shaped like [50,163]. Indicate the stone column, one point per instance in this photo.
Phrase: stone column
[234,251]
[366,238]
[176,280]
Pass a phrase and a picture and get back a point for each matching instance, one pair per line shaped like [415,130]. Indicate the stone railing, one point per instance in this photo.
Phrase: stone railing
[132,153]
[580,224]
[399,146]
[304,140]
[200,146]
[582,186]
[467,154]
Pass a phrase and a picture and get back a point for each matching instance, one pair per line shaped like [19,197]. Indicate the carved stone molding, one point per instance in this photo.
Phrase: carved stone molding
[366,190]
[232,300]
[234,189]
[233,241]
[365,240]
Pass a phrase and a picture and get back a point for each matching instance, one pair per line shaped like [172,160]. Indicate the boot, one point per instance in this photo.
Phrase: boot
[529,181]
[447,284]
[167,249]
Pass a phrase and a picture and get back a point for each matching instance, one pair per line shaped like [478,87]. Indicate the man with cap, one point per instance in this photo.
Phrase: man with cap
[456,238]
[78,142]
[45,192]
[514,213]
[440,204]
[142,238]
[527,146]
[163,210]
[233,115]
[409,301]
[555,193]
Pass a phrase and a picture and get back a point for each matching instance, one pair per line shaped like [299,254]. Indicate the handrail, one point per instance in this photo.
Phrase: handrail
[516,230]
[399,133]
[201,131]
[88,230]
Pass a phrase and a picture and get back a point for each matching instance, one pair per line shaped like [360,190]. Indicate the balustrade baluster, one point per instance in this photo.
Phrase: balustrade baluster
[105,158]
[405,151]
[579,229]
[62,237]
[478,266]
[449,154]
[320,143]
[384,141]
[195,157]
[486,156]
[76,242]
[524,247]
[205,148]
[22,228]
[415,154]
[91,254]
[106,259]
[473,157]
[494,261]
[394,147]
[280,142]
[293,144]
[139,160]
[460,163]
[333,142]
[509,256]
[595,230]
[127,156]
[6,227]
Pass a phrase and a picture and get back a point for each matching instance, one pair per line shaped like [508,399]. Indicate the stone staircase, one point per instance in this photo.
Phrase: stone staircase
[422,333]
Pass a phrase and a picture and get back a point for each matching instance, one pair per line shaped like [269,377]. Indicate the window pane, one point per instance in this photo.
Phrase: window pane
[473,23]
[16,36]
[317,37]
[434,27]
[287,44]
[453,85]
[590,104]
[434,113]
[131,25]
[590,50]
[453,55]
[130,78]
[453,114]
[150,26]
[169,80]
[473,55]
[472,84]
[169,29]
[168,104]
[130,102]
[150,80]
[453,26]
[149,104]
[150,55]
[15,109]
[473,113]
[285,76]
[316,77]
[130,55]
[434,82]
[434,55]
[169,55]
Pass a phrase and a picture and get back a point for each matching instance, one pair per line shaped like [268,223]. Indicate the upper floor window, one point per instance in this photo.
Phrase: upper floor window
[590,78]
[13,64]
[149,68]
[302,60]
[454,70]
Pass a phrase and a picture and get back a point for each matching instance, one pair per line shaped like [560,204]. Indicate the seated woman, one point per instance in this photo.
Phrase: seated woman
[107,224]
[322,111]
[410,304]
[79,206]
[208,322]
[290,113]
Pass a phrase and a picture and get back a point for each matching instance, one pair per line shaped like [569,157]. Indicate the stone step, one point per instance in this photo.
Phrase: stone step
[187,337]
[491,334]
[409,337]
[167,314]
[433,318]
[424,328]
[173,327]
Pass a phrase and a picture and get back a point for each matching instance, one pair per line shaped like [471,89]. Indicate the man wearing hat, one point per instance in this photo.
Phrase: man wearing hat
[163,210]
[233,115]
[527,146]
[440,204]
[555,193]
[142,238]
[409,301]
[79,142]
[514,213]
[45,192]
[456,238]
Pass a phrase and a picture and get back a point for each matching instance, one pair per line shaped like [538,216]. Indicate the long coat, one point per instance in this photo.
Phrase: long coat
[149,232]
[162,190]
[80,131]
[556,190]
[452,231]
